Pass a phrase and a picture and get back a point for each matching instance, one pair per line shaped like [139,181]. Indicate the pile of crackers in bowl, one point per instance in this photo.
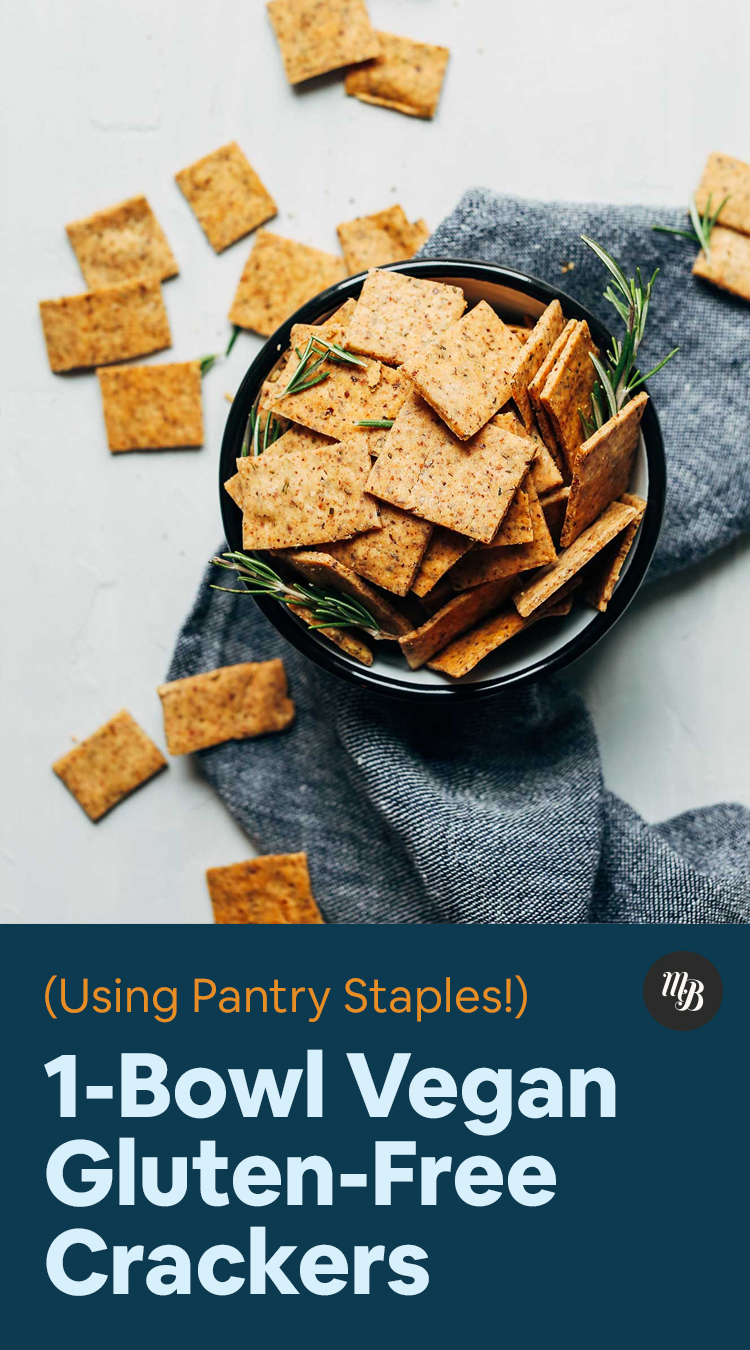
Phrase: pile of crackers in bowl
[433,465]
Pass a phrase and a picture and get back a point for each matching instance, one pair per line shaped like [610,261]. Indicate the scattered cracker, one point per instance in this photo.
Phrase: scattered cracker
[111,324]
[120,243]
[274,888]
[232,703]
[491,564]
[384,237]
[352,646]
[398,316]
[308,496]
[516,526]
[391,555]
[568,388]
[226,195]
[534,351]
[109,765]
[603,468]
[606,571]
[610,523]
[729,263]
[324,570]
[460,613]
[444,549]
[554,505]
[316,36]
[152,407]
[724,176]
[407,76]
[465,374]
[279,276]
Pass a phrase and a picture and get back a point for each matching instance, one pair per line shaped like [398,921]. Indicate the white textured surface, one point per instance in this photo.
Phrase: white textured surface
[101,557]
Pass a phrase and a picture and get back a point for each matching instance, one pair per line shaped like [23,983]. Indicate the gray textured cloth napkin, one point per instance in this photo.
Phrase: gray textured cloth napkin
[497,813]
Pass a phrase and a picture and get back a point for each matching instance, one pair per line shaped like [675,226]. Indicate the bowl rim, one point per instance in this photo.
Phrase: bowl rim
[331,659]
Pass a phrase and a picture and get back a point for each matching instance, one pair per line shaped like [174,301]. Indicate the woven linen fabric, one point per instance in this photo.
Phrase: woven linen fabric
[497,812]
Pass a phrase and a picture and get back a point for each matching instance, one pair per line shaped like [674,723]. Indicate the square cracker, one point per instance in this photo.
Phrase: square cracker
[389,556]
[308,496]
[295,438]
[465,374]
[603,468]
[351,645]
[109,765]
[407,76]
[232,703]
[226,195]
[517,526]
[543,470]
[279,276]
[316,36]
[100,327]
[324,570]
[491,564]
[152,407]
[384,237]
[398,316]
[444,549]
[467,651]
[534,351]
[724,176]
[274,888]
[606,571]
[729,263]
[568,388]
[536,385]
[122,242]
[554,505]
[572,560]
[460,613]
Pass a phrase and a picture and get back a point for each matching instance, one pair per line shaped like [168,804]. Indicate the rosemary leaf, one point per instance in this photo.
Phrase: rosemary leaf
[385,422]
[329,609]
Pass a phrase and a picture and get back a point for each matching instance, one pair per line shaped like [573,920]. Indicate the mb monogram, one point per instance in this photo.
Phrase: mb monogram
[683,991]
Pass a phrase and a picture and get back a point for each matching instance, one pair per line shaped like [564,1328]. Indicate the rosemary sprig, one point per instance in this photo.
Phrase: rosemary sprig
[330,609]
[702,224]
[255,440]
[315,354]
[385,422]
[619,376]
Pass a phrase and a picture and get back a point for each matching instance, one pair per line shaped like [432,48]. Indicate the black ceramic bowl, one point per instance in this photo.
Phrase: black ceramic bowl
[545,647]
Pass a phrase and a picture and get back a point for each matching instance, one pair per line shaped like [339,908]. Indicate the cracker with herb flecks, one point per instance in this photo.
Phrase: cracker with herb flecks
[491,564]
[536,385]
[324,570]
[534,351]
[122,242]
[555,505]
[316,36]
[572,560]
[233,486]
[226,194]
[397,316]
[444,549]
[723,177]
[100,327]
[335,326]
[274,888]
[346,639]
[568,388]
[308,496]
[279,276]
[384,237]
[729,263]
[460,613]
[465,373]
[296,438]
[233,703]
[109,765]
[390,555]
[349,394]
[152,407]
[603,468]
[467,651]
[516,526]
[607,568]
[407,76]
[543,469]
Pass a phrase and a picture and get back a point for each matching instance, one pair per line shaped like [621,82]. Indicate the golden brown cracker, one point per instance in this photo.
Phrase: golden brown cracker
[350,393]
[416,429]
[100,327]
[554,505]
[603,468]
[723,177]
[375,240]
[152,407]
[491,564]
[279,276]
[568,389]
[460,613]
[608,566]
[728,265]
[571,561]
[274,888]
[516,526]
[316,36]
[232,703]
[109,765]
[308,496]
[390,555]
[324,570]
[465,374]
[233,486]
[120,243]
[345,639]
[444,549]
[465,652]
[543,470]
[398,316]
[534,351]
[226,194]
[407,76]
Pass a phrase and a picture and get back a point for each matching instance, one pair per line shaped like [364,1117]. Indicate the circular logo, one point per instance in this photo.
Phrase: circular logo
[683,991]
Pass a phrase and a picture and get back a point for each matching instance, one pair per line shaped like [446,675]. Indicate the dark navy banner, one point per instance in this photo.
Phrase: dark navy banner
[338,1135]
